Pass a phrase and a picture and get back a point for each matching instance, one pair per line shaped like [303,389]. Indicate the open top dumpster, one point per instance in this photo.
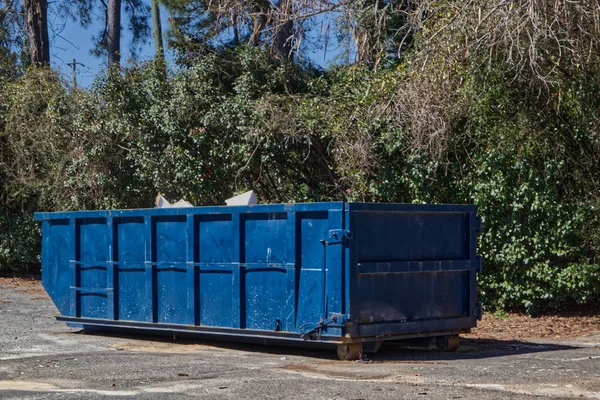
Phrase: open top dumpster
[350,275]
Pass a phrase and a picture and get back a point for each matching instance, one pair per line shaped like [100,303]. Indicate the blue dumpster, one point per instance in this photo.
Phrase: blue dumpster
[350,275]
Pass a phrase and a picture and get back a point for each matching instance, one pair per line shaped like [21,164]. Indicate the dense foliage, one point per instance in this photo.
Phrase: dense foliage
[441,114]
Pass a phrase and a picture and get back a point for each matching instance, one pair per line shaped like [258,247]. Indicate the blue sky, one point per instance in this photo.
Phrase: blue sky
[75,42]
[68,41]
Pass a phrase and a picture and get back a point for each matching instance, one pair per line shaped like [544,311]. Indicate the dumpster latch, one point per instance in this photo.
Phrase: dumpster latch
[337,236]
[336,320]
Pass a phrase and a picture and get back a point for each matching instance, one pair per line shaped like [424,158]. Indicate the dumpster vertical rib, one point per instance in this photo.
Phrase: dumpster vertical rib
[352,287]
[111,310]
[238,302]
[74,269]
[333,265]
[290,304]
[347,262]
[149,258]
[45,243]
[474,226]
[192,272]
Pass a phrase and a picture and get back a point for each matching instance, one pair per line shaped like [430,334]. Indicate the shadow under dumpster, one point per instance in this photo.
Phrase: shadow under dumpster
[470,348]
[390,352]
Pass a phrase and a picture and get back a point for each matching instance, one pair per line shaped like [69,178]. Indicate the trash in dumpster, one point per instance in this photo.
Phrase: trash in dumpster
[244,199]
[351,275]
[161,202]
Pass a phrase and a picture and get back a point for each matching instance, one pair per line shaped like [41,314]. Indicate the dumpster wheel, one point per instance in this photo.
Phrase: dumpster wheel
[448,343]
[349,351]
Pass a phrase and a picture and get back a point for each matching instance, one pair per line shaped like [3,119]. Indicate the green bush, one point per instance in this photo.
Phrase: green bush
[236,119]
[19,243]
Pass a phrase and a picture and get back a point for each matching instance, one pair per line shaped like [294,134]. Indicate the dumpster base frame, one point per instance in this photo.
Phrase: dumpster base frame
[266,338]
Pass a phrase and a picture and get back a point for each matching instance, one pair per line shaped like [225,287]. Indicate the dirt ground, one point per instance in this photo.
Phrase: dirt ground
[551,326]
[20,282]
[25,285]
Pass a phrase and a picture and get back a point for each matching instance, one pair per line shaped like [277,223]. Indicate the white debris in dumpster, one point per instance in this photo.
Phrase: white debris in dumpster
[161,202]
[244,199]
[182,203]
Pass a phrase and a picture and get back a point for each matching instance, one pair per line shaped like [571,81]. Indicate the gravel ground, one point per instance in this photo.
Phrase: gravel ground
[41,358]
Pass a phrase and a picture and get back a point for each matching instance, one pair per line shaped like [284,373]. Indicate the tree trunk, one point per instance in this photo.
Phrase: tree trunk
[236,31]
[157,31]
[283,28]
[259,21]
[114,32]
[36,18]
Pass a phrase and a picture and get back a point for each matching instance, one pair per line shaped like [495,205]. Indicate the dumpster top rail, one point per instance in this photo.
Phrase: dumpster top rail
[260,208]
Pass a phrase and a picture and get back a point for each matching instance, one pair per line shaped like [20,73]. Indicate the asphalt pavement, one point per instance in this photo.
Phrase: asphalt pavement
[41,358]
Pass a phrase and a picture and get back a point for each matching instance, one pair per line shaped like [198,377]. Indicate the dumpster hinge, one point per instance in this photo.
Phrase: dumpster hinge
[336,320]
[337,236]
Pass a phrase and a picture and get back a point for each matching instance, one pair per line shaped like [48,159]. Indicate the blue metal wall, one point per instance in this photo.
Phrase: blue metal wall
[317,271]
[414,267]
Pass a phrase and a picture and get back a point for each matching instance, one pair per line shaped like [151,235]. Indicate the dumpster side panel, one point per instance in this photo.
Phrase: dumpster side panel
[411,236]
[58,248]
[130,253]
[93,248]
[268,264]
[310,270]
[413,267]
[414,296]
[214,252]
[169,242]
